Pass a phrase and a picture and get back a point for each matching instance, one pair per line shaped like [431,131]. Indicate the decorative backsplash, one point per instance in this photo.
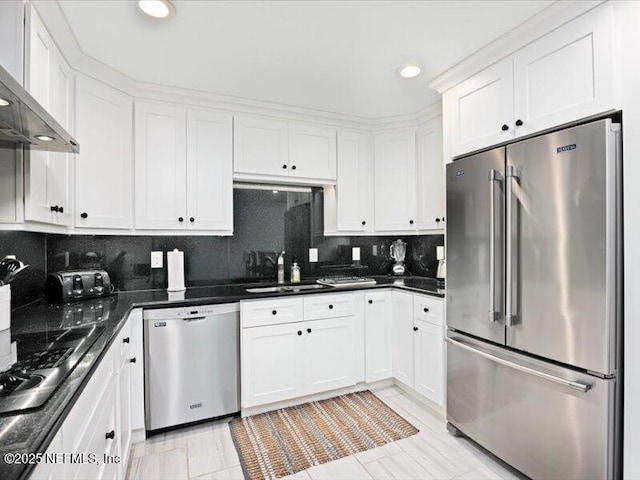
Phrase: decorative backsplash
[265,223]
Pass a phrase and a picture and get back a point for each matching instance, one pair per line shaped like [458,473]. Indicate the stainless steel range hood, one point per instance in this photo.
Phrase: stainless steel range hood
[24,120]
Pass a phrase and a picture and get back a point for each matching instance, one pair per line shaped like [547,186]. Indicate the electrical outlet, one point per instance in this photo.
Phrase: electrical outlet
[374,250]
[355,254]
[313,255]
[156,259]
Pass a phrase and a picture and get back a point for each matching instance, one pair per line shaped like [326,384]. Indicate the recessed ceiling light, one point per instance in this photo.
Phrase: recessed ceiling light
[4,103]
[45,138]
[157,8]
[410,71]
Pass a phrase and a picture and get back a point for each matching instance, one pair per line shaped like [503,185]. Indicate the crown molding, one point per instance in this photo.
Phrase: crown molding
[544,22]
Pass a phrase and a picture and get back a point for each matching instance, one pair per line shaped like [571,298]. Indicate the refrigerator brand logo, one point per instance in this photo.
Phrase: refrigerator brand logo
[195,405]
[459,173]
[566,148]
[160,324]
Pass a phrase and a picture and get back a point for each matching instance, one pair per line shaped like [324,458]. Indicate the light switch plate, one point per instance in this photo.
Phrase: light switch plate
[313,255]
[355,254]
[156,259]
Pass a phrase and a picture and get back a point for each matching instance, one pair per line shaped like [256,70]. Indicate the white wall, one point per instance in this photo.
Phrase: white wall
[628,48]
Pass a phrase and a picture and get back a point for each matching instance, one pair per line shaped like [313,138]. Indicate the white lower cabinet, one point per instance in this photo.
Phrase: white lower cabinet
[403,335]
[429,361]
[378,347]
[99,425]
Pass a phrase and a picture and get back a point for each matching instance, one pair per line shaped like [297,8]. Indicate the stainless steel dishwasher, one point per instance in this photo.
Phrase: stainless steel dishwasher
[192,358]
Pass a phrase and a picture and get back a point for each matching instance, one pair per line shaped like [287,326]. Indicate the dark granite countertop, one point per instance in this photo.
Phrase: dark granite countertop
[32,431]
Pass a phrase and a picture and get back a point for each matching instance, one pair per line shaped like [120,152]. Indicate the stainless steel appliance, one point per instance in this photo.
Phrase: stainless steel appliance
[192,364]
[345,281]
[45,359]
[77,285]
[533,302]
[397,251]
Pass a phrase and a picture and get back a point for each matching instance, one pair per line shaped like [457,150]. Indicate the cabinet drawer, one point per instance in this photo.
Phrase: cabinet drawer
[428,309]
[271,312]
[329,306]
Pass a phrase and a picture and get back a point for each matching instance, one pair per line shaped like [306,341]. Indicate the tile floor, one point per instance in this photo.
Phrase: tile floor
[207,452]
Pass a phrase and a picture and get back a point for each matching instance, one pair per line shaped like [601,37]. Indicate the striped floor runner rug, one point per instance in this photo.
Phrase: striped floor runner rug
[282,442]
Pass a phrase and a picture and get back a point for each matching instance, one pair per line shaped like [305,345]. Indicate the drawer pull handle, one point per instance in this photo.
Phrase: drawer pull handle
[84,215]
[330,307]
[370,302]
[126,340]
[299,332]
[308,330]
[415,329]
[274,312]
[425,309]
[132,360]
[110,435]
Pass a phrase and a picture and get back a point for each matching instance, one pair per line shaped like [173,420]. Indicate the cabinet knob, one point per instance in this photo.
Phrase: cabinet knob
[54,208]
[519,123]
[425,309]
[274,312]
[181,219]
[437,220]
[110,435]
[364,222]
[443,219]
[415,329]
[191,219]
[370,302]
[293,167]
[284,167]
[84,215]
[505,127]
[61,209]
[132,360]
[411,222]
[308,330]
[330,307]
[299,332]
[126,340]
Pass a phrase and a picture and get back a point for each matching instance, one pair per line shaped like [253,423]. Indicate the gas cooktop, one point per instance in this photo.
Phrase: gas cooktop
[44,361]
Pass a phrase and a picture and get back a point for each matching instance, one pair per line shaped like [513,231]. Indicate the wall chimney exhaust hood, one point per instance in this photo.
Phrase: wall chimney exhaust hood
[24,120]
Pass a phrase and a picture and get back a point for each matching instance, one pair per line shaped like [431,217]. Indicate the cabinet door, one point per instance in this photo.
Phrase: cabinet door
[378,335]
[429,361]
[430,174]
[395,181]
[329,354]
[104,169]
[312,152]
[403,333]
[160,166]
[124,412]
[566,75]
[51,471]
[209,171]
[354,188]
[480,107]
[272,363]
[39,60]
[260,146]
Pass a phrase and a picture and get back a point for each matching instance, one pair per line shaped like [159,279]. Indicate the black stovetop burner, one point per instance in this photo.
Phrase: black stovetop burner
[44,361]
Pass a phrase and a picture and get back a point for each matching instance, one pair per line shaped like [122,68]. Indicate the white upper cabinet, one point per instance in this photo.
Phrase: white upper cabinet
[312,152]
[209,171]
[104,170]
[276,150]
[395,181]
[183,168]
[430,176]
[481,109]
[47,175]
[566,75]
[261,146]
[160,166]
[354,188]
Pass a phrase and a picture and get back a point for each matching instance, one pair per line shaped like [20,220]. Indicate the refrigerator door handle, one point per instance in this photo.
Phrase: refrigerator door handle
[511,173]
[580,386]
[494,177]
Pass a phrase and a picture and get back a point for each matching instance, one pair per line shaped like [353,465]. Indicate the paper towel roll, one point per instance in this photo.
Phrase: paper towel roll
[440,253]
[5,307]
[175,270]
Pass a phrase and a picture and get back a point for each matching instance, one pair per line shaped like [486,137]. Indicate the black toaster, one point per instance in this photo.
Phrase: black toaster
[77,285]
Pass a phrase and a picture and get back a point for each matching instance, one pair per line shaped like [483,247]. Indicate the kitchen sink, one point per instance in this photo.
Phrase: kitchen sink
[285,288]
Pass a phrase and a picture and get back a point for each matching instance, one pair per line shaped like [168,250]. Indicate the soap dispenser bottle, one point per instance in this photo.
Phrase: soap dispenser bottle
[281,268]
[295,273]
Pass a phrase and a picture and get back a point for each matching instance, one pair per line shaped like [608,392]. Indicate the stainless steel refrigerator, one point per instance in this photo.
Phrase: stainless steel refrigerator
[534,302]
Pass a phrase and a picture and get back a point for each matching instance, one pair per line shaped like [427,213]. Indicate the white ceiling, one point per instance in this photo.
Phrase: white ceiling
[335,56]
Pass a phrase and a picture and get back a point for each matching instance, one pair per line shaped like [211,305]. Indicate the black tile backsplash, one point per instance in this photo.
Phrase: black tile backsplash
[265,223]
